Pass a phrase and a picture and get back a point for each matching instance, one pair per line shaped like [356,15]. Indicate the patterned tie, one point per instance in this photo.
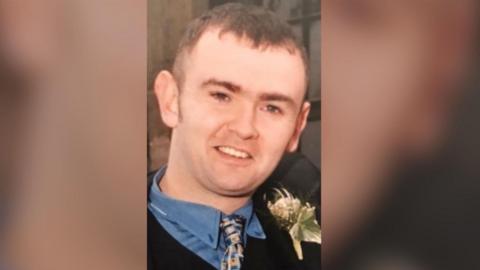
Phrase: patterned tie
[232,228]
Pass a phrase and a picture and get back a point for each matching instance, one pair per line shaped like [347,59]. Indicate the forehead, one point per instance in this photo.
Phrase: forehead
[230,58]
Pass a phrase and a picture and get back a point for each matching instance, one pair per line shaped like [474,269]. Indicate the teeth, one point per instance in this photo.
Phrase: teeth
[233,152]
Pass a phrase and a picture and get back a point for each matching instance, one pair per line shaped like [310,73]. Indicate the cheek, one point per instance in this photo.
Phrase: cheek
[275,134]
[200,118]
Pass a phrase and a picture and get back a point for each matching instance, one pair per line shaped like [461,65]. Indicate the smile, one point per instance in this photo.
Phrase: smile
[236,153]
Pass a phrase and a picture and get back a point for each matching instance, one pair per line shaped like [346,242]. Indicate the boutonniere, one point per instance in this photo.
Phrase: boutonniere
[295,216]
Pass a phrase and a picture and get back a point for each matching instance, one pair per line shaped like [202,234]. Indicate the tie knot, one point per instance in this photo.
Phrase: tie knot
[232,228]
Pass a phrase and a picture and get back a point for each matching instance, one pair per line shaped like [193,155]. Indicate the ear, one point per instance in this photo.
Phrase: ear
[299,126]
[167,94]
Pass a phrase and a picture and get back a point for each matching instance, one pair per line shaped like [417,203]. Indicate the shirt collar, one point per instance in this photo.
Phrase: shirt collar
[200,220]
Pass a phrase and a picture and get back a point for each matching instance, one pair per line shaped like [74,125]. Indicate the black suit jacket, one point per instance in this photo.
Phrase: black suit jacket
[274,253]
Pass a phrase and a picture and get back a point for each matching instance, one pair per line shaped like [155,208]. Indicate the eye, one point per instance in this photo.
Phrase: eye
[272,109]
[222,97]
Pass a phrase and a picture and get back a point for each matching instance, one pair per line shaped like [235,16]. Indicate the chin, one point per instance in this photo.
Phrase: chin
[236,193]
[239,190]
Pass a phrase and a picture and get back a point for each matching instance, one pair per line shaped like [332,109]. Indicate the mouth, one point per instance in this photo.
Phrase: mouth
[233,152]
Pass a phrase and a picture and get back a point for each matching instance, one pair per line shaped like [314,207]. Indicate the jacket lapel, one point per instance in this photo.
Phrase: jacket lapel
[274,252]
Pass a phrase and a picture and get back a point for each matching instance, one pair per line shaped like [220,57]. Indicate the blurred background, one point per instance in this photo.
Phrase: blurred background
[400,134]
[167,20]
[72,151]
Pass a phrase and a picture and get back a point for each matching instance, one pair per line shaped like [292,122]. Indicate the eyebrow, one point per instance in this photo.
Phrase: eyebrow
[277,97]
[225,84]
[235,88]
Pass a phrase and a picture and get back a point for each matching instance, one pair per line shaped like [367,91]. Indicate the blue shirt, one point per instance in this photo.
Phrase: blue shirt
[196,226]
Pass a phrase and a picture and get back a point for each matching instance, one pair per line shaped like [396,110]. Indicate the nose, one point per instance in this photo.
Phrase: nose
[243,125]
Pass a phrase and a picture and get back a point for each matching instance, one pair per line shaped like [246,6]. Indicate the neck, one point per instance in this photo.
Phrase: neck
[181,187]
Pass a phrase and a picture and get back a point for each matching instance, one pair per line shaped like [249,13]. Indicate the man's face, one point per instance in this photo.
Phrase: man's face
[240,110]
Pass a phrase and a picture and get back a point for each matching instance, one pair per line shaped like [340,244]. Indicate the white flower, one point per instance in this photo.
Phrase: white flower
[296,217]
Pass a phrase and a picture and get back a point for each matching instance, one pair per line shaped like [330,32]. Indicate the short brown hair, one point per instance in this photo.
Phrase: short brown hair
[260,26]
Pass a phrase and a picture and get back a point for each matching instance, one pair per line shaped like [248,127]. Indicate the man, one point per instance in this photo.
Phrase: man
[235,104]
